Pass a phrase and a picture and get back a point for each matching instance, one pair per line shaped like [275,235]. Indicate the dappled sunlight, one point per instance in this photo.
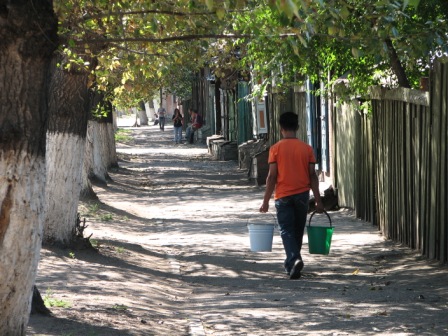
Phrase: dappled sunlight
[174,256]
[178,151]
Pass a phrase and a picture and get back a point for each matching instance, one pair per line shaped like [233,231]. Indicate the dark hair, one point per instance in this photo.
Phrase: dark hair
[289,121]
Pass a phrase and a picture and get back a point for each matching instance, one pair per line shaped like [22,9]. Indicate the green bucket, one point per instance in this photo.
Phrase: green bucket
[319,237]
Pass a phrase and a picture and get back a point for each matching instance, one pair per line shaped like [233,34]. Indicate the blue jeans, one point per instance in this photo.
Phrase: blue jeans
[291,216]
[189,134]
[162,123]
[178,133]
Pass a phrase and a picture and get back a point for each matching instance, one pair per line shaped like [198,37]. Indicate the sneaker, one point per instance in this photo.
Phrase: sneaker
[296,269]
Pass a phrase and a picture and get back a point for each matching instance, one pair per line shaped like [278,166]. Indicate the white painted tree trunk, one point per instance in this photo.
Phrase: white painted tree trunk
[150,110]
[21,217]
[65,155]
[142,114]
[143,118]
[28,35]
[109,145]
[100,154]
[99,162]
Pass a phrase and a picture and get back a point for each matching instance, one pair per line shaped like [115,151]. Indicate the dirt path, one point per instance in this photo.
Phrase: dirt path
[174,259]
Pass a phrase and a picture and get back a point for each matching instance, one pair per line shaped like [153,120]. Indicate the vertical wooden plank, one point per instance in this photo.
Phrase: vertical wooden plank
[358,154]
[364,167]
[413,160]
[393,177]
[408,202]
[426,175]
[397,220]
[384,167]
[371,206]
[401,196]
[435,170]
[443,251]
[387,167]
[416,158]
[390,169]
[382,163]
[379,157]
[397,178]
[374,143]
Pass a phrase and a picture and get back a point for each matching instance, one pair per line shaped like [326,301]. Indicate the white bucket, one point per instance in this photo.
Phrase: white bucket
[261,236]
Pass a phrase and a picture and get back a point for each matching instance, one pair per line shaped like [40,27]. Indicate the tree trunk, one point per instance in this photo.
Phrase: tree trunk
[142,114]
[218,106]
[68,109]
[38,304]
[28,37]
[396,65]
[87,192]
[152,110]
[100,151]
[136,117]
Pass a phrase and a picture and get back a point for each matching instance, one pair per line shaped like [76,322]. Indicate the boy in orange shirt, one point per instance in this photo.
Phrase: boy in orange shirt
[291,174]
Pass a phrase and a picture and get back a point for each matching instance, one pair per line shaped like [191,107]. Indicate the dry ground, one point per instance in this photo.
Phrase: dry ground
[173,259]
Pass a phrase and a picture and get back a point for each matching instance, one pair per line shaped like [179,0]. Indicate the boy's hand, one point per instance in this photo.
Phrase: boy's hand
[319,207]
[264,207]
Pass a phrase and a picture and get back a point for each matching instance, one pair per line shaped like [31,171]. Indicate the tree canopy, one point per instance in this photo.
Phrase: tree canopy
[140,46]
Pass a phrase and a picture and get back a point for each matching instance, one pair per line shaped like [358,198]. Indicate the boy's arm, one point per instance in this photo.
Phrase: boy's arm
[315,188]
[271,181]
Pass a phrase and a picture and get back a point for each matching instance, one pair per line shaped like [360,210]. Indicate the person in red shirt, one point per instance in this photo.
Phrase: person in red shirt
[291,174]
[196,123]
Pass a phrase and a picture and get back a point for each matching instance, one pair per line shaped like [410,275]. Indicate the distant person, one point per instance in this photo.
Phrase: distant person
[177,123]
[161,113]
[196,123]
[291,174]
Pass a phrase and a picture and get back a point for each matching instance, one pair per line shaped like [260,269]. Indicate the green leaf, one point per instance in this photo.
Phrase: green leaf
[209,4]
[295,48]
[332,30]
[220,13]
[302,40]
[345,13]
[395,32]
[154,25]
[414,3]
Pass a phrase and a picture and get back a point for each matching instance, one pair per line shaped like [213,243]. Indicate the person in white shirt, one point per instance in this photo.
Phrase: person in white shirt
[161,112]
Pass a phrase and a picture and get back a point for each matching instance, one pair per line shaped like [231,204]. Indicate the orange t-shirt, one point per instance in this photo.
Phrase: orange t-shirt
[293,158]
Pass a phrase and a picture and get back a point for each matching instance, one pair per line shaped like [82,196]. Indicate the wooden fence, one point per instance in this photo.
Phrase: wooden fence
[393,167]
[294,100]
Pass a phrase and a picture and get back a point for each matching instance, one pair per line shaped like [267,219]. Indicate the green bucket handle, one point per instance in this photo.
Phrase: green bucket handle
[314,212]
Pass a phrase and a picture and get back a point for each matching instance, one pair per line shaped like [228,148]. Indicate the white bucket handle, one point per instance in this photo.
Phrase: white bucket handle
[275,219]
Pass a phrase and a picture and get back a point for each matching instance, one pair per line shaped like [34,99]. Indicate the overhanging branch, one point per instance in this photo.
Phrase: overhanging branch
[164,39]
[103,40]
[154,11]
[138,52]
